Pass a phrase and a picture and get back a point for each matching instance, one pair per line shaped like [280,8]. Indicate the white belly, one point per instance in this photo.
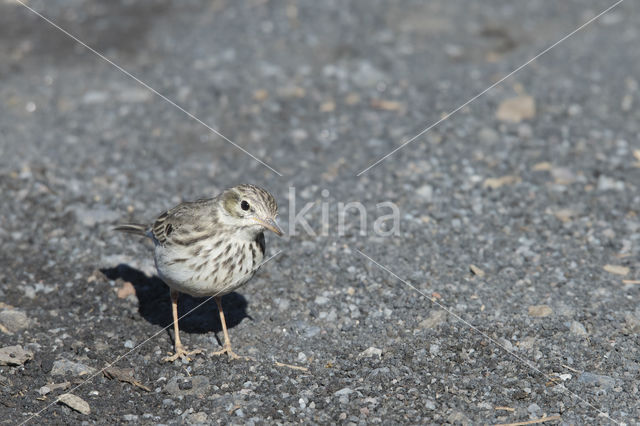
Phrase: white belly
[214,271]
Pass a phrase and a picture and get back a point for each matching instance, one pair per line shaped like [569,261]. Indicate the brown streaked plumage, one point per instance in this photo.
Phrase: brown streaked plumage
[210,247]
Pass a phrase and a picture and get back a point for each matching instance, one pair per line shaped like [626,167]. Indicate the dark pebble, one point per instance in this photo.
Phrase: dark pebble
[46,365]
[185,385]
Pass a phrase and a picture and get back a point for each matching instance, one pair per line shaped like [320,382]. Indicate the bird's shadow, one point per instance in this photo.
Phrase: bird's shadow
[154,304]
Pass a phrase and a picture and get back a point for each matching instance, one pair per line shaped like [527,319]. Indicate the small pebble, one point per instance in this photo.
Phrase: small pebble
[75,402]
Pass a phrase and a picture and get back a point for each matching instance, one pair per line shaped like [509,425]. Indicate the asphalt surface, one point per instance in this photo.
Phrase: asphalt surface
[535,184]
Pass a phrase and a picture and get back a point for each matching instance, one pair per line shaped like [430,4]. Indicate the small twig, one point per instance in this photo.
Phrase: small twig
[186,371]
[123,376]
[293,367]
[532,422]
[504,408]
[553,381]
[571,369]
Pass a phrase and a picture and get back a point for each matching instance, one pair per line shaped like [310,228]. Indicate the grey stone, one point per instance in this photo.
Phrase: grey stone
[425,192]
[458,417]
[75,402]
[343,395]
[434,349]
[14,355]
[534,409]
[600,380]
[631,323]
[312,331]
[370,353]
[343,391]
[578,329]
[321,300]
[62,367]
[197,418]
[606,183]
[282,303]
[436,318]
[14,320]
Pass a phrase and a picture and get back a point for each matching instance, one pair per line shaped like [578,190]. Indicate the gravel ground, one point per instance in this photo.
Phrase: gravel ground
[518,214]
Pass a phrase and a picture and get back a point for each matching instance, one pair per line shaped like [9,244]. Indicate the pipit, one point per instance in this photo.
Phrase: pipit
[210,247]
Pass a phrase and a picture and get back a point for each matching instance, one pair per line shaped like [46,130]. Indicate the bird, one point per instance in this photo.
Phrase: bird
[209,248]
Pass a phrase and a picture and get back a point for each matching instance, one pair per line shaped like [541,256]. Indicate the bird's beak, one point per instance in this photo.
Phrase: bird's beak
[271,225]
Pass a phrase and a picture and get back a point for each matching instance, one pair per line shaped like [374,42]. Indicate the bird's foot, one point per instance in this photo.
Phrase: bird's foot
[232,355]
[183,354]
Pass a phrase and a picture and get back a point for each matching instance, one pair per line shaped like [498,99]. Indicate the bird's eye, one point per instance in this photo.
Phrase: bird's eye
[244,205]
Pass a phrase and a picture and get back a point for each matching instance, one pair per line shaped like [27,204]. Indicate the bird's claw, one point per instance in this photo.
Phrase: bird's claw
[232,355]
[183,354]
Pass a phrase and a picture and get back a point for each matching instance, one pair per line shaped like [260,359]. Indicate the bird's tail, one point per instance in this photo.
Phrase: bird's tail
[132,228]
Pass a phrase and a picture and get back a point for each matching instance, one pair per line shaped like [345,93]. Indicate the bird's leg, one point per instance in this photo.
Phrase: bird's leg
[180,351]
[227,342]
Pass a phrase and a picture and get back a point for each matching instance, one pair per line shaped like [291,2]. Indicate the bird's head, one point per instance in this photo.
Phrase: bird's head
[250,207]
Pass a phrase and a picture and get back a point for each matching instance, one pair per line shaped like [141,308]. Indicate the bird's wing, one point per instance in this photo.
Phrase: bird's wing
[180,225]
